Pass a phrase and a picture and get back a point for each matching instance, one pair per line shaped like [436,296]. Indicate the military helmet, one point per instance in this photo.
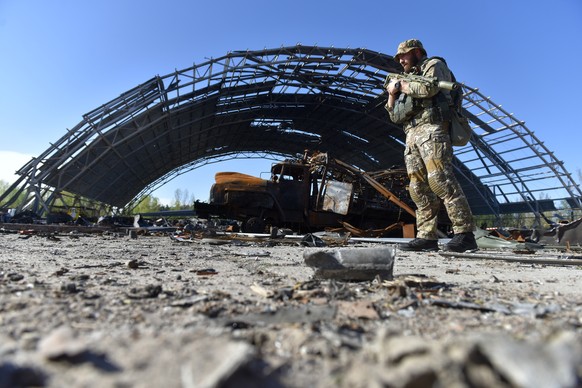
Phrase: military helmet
[409,45]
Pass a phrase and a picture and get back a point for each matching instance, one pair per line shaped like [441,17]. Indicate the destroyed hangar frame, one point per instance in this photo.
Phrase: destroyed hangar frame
[275,103]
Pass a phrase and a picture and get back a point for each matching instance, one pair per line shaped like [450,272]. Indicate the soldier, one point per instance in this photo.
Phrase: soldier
[428,153]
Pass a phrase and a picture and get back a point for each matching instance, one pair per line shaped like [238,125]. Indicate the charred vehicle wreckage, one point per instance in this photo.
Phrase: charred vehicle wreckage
[313,192]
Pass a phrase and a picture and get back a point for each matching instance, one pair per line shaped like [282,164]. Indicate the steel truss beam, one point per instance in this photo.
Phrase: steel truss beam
[275,103]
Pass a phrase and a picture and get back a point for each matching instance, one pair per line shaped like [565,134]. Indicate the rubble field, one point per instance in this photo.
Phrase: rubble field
[117,310]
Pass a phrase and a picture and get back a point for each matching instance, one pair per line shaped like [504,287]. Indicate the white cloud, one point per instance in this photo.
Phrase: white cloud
[11,161]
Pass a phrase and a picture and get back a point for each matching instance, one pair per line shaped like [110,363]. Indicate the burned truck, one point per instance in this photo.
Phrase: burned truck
[309,194]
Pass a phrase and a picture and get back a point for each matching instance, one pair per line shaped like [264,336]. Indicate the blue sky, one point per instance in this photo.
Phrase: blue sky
[63,58]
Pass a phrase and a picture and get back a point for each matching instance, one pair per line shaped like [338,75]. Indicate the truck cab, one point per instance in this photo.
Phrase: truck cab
[298,195]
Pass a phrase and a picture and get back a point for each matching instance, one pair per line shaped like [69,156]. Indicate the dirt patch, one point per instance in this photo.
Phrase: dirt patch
[109,310]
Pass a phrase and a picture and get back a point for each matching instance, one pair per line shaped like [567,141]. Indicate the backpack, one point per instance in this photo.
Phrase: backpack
[459,127]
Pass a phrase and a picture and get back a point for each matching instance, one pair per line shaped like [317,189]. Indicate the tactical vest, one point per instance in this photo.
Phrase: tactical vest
[411,111]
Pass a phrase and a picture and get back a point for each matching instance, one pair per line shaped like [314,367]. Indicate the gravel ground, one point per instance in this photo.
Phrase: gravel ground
[107,310]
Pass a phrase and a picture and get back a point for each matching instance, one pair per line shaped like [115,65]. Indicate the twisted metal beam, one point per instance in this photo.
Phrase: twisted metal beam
[275,103]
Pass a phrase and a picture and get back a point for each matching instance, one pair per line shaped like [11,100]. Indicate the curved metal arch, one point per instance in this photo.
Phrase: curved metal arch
[509,158]
[274,102]
[197,164]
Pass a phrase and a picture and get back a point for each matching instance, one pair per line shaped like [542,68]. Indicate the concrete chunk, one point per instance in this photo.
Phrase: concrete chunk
[352,263]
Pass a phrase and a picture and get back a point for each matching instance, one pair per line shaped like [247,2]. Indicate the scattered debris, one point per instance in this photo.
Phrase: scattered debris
[415,281]
[487,241]
[206,272]
[149,291]
[468,305]
[310,240]
[252,313]
[542,261]
[565,234]
[360,309]
[262,291]
[190,301]
[482,360]
[291,314]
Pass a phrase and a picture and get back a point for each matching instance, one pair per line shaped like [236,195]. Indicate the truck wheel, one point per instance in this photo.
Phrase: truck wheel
[254,225]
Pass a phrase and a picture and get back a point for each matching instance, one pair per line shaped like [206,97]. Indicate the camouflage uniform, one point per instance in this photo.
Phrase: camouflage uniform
[428,157]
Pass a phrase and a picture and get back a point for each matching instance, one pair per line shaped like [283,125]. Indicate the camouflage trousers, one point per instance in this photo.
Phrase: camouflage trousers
[428,156]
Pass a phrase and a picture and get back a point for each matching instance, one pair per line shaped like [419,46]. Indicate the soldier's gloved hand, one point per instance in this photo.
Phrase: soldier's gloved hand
[393,87]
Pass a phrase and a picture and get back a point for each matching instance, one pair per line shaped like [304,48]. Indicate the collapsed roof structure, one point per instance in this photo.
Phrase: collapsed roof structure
[276,103]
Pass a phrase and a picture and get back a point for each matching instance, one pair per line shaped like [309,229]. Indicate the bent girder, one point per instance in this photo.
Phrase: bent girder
[277,102]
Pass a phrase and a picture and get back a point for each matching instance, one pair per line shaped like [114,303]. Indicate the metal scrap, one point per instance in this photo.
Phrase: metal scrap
[520,259]
[352,263]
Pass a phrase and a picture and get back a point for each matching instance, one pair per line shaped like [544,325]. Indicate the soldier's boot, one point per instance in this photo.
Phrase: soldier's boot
[462,242]
[420,245]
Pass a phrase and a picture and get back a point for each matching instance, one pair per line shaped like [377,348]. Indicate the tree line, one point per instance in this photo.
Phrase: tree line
[182,200]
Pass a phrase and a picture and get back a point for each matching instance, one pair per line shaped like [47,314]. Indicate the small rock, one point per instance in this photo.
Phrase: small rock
[61,343]
[70,288]
[12,375]
[15,277]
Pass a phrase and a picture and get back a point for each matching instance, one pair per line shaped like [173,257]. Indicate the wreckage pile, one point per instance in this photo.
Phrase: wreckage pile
[151,309]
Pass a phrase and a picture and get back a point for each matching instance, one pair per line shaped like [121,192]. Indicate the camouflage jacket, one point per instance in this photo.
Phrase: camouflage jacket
[424,93]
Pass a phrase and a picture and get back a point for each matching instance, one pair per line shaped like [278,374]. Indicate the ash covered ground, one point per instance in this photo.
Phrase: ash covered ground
[107,310]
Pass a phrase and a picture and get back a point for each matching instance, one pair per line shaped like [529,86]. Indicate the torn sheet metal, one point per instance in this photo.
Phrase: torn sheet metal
[337,197]
[564,234]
